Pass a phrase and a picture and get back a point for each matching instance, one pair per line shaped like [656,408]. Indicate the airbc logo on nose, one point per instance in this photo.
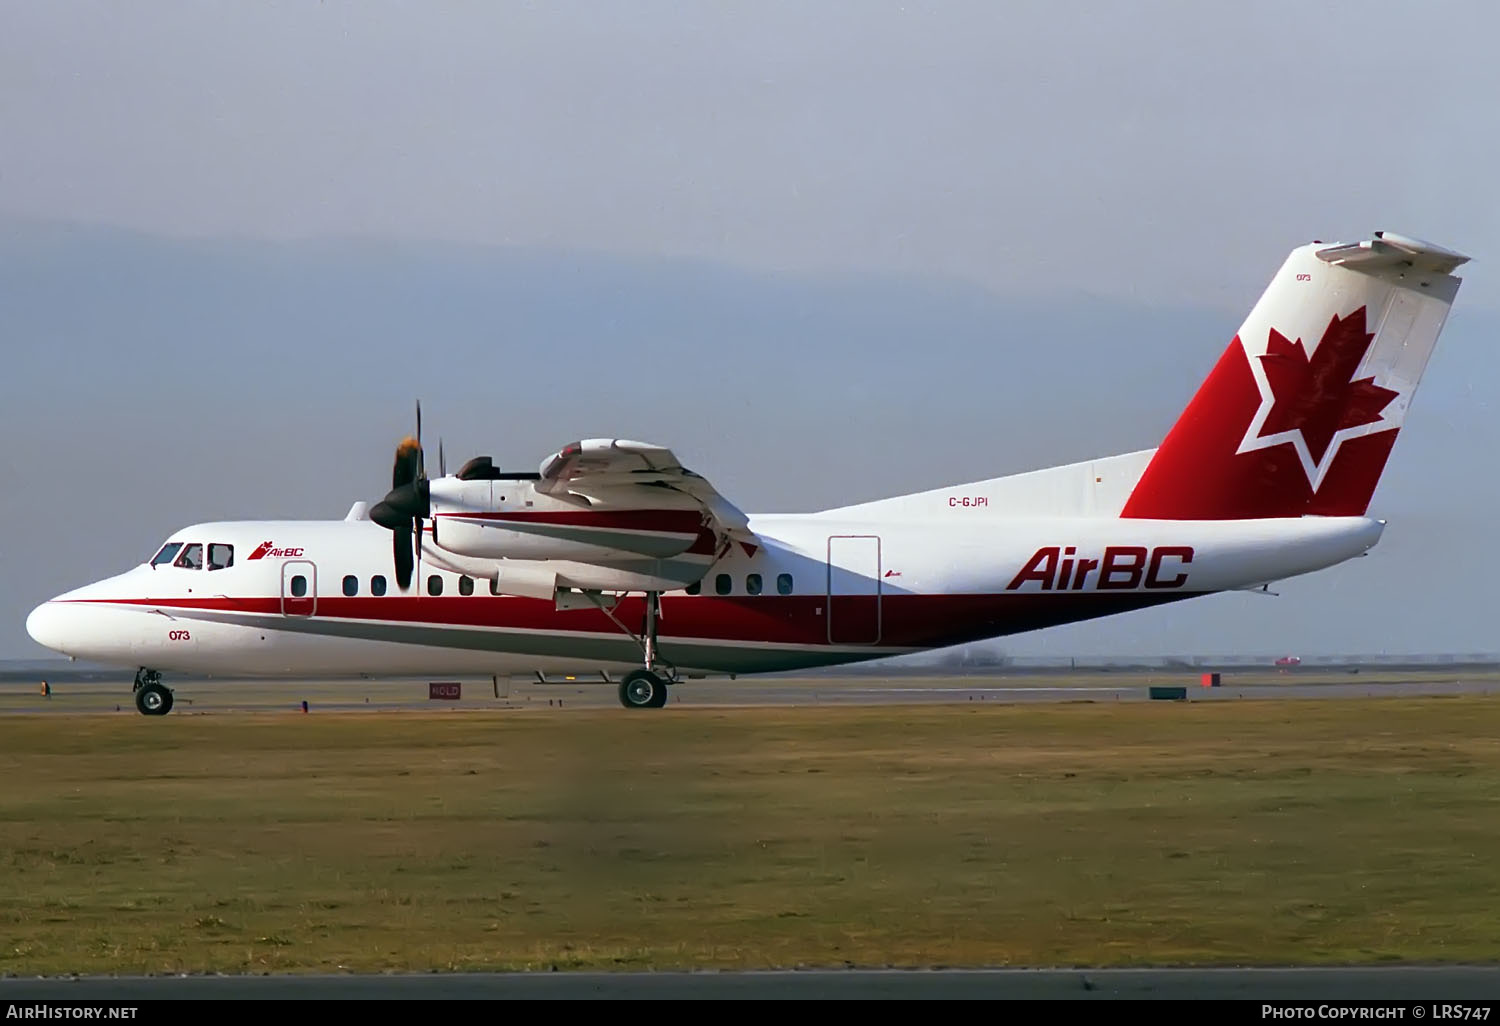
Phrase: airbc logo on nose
[265,549]
[1121,568]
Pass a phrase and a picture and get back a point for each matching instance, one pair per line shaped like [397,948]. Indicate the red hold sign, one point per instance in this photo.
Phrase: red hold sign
[443,689]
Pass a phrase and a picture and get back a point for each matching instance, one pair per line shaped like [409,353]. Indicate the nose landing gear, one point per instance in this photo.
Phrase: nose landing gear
[152,698]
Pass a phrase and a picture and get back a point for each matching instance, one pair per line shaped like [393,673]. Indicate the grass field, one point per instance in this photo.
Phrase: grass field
[1126,834]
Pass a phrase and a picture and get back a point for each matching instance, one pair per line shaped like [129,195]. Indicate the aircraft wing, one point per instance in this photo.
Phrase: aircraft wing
[623,471]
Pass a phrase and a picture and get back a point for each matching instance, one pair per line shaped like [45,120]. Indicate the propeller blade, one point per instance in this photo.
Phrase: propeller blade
[387,516]
[417,544]
[406,505]
[401,549]
[442,460]
[402,504]
[421,463]
[408,463]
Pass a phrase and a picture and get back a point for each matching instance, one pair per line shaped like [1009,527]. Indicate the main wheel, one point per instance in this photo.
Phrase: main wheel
[642,689]
[153,700]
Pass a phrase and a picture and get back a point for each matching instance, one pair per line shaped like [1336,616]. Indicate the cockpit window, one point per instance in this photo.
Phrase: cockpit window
[165,555]
[191,558]
[220,556]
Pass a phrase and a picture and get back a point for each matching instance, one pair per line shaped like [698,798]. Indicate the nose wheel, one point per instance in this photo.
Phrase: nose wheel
[152,698]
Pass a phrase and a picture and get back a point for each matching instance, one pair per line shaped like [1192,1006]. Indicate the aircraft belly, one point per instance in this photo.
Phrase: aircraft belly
[785,633]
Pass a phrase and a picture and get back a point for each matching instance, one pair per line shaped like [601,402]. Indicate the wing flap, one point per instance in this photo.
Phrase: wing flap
[623,471]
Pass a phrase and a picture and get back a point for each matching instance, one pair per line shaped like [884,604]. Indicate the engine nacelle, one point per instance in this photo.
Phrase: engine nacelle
[497,527]
[573,534]
[547,578]
[504,518]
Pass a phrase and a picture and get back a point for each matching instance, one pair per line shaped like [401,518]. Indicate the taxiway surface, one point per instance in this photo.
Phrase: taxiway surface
[195,697]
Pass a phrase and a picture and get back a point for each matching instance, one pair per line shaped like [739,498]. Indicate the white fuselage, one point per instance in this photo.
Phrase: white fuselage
[300,597]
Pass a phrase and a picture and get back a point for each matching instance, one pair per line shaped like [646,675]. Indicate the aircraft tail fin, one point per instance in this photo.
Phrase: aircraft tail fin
[1300,413]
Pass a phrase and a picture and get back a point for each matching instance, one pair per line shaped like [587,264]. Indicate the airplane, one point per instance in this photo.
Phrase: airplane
[614,561]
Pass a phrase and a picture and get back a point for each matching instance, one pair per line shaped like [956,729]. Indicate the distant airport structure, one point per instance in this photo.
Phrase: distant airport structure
[969,661]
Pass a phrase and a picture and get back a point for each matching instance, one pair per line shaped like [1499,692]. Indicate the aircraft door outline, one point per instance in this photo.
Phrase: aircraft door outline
[305,604]
[854,589]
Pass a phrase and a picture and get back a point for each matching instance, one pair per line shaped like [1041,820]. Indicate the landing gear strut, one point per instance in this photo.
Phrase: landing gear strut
[646,688]
[151,697]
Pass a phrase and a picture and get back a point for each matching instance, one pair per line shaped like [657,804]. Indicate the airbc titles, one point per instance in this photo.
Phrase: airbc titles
[1119,568]
[265,549]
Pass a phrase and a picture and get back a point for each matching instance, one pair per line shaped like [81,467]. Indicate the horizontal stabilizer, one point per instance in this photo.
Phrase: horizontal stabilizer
[1387,249]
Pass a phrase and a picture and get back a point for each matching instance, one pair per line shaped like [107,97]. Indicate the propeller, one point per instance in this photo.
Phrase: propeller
[442,472]
[406,505]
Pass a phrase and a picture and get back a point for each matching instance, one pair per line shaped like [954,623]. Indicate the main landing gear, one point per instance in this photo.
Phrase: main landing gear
[646,688]
[642,689]
[151,697]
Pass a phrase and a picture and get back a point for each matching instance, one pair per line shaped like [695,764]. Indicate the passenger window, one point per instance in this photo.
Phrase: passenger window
[783,584]
[351,585]
[299,586]
[722,584]
[466,585]
[752,584]
[220,556]
[191,558]
[377,585]
[165,555]
[434,585]
[694,588]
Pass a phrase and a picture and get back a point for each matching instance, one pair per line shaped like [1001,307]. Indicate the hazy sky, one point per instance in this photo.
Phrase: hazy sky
[828,251]
[1148,150]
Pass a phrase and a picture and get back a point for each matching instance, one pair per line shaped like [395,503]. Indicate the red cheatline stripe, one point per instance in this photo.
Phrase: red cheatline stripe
[905,620]
[684,521]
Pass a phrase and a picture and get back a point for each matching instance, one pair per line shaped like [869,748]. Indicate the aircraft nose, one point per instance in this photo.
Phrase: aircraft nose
[48,625]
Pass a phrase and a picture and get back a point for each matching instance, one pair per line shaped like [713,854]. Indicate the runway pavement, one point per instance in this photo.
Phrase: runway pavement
[197,697]
[1441,984]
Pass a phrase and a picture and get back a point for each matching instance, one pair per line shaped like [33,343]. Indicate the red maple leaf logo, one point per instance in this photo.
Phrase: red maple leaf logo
[1316,395]
[261,550]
